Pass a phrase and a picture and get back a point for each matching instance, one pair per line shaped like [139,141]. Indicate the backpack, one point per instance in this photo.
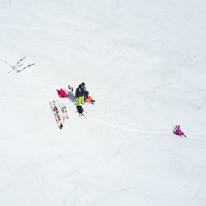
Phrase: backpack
[80,110]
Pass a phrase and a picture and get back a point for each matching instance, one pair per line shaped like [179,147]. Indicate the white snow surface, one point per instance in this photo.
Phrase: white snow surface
[144,62]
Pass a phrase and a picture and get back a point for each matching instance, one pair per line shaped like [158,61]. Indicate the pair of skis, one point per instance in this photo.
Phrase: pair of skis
[18,65]
[63,111]
[57,114]
[29,65]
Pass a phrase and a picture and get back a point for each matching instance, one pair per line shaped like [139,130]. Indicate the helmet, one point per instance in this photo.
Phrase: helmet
[83,84]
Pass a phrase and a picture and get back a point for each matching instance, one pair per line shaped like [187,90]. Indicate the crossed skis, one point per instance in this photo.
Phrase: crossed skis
[18,65]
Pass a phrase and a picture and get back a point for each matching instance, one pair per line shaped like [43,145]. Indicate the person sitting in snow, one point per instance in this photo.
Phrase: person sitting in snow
[79,93]
[178,131]
[88,99]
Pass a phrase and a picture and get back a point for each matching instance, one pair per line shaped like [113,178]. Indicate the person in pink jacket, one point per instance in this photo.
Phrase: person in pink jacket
[178,131]
[62,93]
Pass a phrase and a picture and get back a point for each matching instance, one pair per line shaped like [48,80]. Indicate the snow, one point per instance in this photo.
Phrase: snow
[144,64]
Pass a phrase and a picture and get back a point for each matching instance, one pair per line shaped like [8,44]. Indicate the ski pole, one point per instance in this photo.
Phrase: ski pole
[84,116]
[9,64]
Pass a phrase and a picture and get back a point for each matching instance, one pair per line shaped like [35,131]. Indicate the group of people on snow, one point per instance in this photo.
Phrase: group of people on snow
[82,95]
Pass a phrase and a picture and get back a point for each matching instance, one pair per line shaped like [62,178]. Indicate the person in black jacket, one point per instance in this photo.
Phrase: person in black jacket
[79,93]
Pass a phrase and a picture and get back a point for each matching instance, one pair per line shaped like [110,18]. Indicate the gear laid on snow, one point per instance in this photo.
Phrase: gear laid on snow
[63,108]
[56,114]
[16,65]
[80,110]
[29,65]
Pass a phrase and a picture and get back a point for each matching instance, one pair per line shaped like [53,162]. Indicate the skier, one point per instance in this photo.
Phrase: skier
[88,99]
[79,94]
[178,131]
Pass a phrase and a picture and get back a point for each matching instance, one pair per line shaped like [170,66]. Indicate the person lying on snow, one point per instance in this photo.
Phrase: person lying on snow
[178,131]
[62,93]
[71,94]
[88,99]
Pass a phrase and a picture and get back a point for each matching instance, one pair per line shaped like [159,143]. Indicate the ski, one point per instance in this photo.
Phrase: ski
[17,64]
[15,68]
[56,114]
[29,65]
[63,111]
[9,64]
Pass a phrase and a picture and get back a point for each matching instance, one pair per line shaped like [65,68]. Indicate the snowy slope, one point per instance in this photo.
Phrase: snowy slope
[144,64]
